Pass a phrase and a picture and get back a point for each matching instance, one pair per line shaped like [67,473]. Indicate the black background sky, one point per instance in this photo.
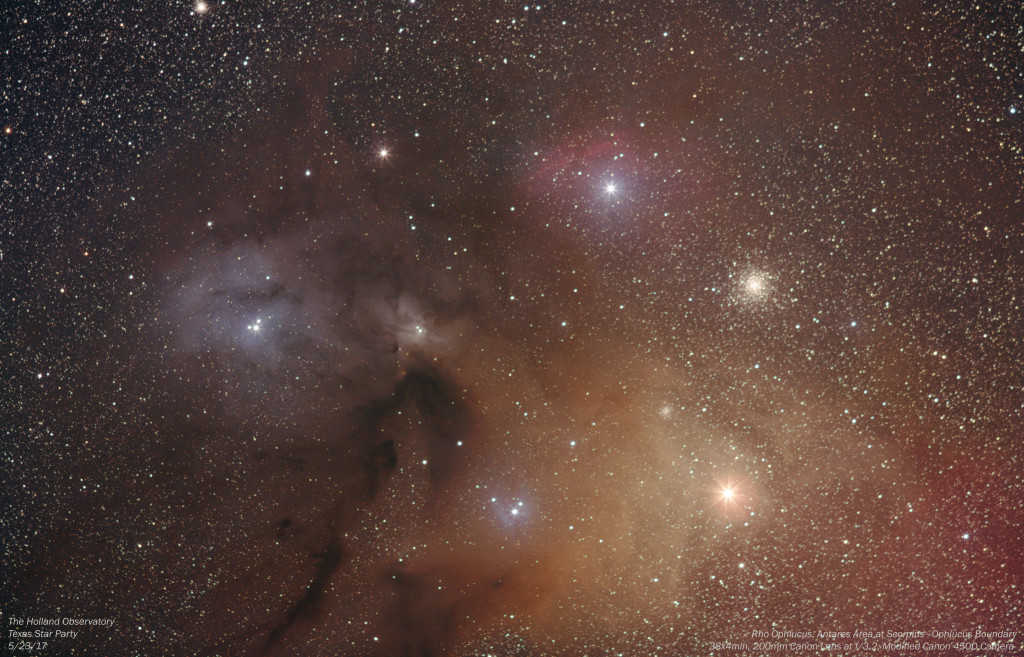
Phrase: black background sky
[422,328]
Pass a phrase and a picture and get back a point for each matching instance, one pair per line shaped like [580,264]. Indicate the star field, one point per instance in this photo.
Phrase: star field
[461,329]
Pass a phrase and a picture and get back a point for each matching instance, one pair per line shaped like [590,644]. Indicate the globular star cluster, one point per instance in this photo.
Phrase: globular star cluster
[416,328]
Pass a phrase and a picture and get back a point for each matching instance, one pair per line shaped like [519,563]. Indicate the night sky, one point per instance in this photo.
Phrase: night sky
[436,329]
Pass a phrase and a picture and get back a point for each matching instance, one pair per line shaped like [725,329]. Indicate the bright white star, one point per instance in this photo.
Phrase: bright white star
[610,188]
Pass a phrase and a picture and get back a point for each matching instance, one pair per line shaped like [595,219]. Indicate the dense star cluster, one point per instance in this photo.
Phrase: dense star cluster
[419,328]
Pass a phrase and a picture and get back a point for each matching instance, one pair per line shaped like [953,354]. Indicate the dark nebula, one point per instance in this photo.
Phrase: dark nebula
[426,329]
